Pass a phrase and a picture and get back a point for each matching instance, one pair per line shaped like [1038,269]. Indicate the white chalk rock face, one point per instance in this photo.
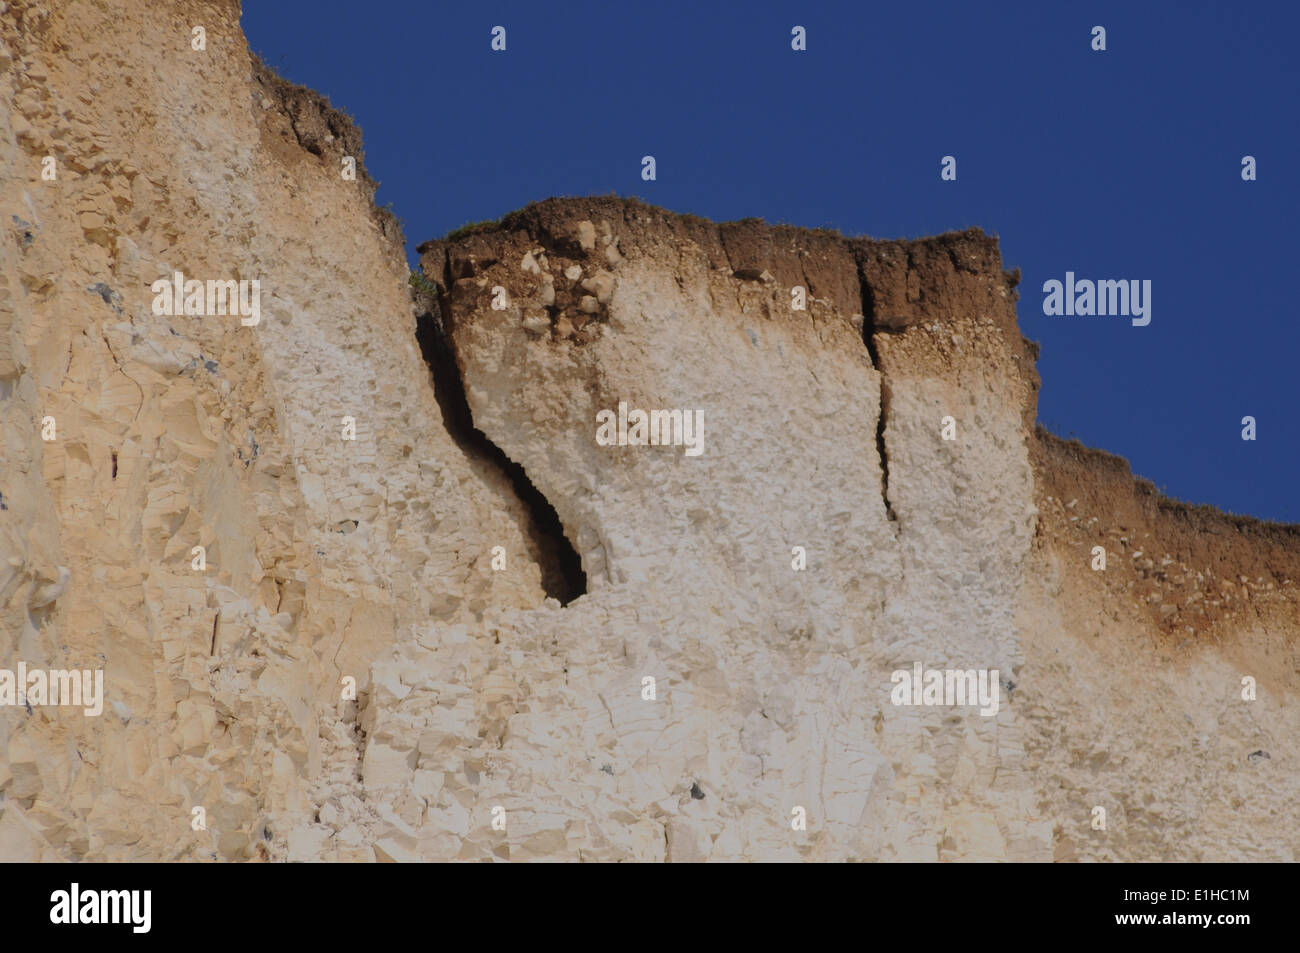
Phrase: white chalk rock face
[852,507]
[626,536]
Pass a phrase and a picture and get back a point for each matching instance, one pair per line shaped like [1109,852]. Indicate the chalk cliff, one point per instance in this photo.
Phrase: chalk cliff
[872,493]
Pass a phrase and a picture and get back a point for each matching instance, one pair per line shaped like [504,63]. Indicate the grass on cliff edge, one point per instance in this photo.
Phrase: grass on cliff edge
[487,225]
[469,228]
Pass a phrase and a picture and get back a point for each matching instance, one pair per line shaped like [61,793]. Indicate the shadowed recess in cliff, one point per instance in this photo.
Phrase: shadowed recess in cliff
[563,577]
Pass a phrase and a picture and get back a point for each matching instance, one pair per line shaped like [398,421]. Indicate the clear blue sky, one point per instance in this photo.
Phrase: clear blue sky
[1120,164]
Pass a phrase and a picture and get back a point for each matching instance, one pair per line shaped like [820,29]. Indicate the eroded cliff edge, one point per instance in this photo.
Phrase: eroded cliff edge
[373,558]
[973,552]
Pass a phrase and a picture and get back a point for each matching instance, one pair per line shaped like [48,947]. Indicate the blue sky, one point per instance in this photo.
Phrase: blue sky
[1117,164]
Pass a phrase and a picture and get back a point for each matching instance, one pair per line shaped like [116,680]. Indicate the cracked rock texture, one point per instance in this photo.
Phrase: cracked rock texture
[480,697]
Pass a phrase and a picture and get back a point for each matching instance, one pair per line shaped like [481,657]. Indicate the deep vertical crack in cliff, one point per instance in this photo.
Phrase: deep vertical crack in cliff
[868,339]
[563,577]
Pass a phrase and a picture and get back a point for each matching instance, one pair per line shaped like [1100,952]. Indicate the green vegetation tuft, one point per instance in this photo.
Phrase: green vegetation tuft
[422,285]
[469,228]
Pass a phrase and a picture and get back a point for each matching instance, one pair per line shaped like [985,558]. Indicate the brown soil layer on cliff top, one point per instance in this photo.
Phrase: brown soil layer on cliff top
[910,281]
[1196,570]
[895,284]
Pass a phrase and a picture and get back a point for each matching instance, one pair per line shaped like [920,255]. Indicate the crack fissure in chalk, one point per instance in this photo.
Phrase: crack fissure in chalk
[869,339]
[563,577]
